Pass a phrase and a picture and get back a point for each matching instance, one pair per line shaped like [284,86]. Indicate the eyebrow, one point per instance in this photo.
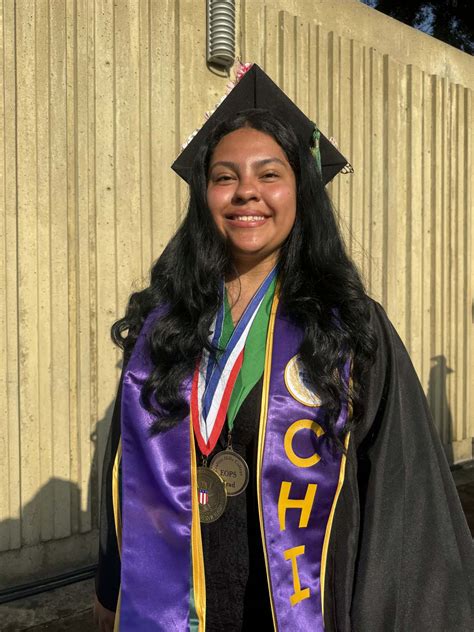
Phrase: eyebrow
[235,166]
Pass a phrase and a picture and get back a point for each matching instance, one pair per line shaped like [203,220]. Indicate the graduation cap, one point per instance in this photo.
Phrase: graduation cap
[256,90]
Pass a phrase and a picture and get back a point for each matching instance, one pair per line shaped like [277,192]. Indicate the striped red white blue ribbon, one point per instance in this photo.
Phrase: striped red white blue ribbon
[215,377]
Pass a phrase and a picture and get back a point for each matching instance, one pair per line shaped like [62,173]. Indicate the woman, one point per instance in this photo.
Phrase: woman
[255,346]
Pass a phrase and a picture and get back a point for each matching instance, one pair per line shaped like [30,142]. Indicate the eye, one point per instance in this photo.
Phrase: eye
[270,175]
[223,177]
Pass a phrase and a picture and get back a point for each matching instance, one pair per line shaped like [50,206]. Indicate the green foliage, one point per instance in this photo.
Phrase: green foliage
[451,21]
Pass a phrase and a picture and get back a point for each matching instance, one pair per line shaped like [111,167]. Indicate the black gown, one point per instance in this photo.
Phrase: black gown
[400,555]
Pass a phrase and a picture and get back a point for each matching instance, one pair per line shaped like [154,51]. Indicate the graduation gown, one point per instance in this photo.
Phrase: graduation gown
[400,555]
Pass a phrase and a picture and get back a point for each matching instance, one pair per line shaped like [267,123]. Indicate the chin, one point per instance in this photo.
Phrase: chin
[258,253]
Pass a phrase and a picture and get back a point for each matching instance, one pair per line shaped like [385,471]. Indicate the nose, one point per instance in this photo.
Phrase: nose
[246,190]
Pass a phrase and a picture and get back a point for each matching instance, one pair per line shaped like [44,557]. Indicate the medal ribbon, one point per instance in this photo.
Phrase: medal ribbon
[214,379]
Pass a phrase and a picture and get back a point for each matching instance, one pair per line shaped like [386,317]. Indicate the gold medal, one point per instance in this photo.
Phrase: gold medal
[233,469]
[212,494]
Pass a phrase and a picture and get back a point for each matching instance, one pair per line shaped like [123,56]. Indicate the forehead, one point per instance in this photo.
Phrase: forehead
[247,142]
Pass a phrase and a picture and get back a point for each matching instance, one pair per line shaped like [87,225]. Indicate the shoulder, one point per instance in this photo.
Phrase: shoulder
[137,342]
[391,375]
[378,316]
[391,351]
[389,343]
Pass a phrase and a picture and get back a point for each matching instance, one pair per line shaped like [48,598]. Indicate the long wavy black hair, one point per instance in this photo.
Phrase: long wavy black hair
[320,289]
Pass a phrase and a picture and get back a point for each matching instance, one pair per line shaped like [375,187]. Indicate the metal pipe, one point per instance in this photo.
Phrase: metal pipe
[42,585]
[221,32]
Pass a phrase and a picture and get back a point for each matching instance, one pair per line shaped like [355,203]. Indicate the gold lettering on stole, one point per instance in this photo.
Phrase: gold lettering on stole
[290,433]
[298,594]
[305,504]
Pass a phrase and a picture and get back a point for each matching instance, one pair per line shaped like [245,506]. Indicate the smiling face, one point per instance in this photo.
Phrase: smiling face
[251,194]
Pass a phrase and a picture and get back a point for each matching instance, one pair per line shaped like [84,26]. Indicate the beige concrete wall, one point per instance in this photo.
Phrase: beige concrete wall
[96,98]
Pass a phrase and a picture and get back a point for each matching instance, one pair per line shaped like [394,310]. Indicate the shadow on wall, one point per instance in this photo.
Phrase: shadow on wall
[55,512]
[438,402]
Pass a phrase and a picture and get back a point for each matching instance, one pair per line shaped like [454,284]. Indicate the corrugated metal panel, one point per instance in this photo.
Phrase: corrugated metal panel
[97,97]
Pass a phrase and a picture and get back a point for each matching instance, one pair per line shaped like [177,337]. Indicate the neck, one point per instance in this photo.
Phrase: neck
[244,281]
[248,274]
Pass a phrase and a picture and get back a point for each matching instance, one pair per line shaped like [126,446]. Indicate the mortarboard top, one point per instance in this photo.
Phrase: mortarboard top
[256,90]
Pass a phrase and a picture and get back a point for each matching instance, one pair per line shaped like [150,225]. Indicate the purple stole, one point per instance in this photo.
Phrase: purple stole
[299,478]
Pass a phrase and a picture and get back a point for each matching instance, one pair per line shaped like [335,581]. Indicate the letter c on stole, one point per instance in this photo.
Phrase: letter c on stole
[289,435]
